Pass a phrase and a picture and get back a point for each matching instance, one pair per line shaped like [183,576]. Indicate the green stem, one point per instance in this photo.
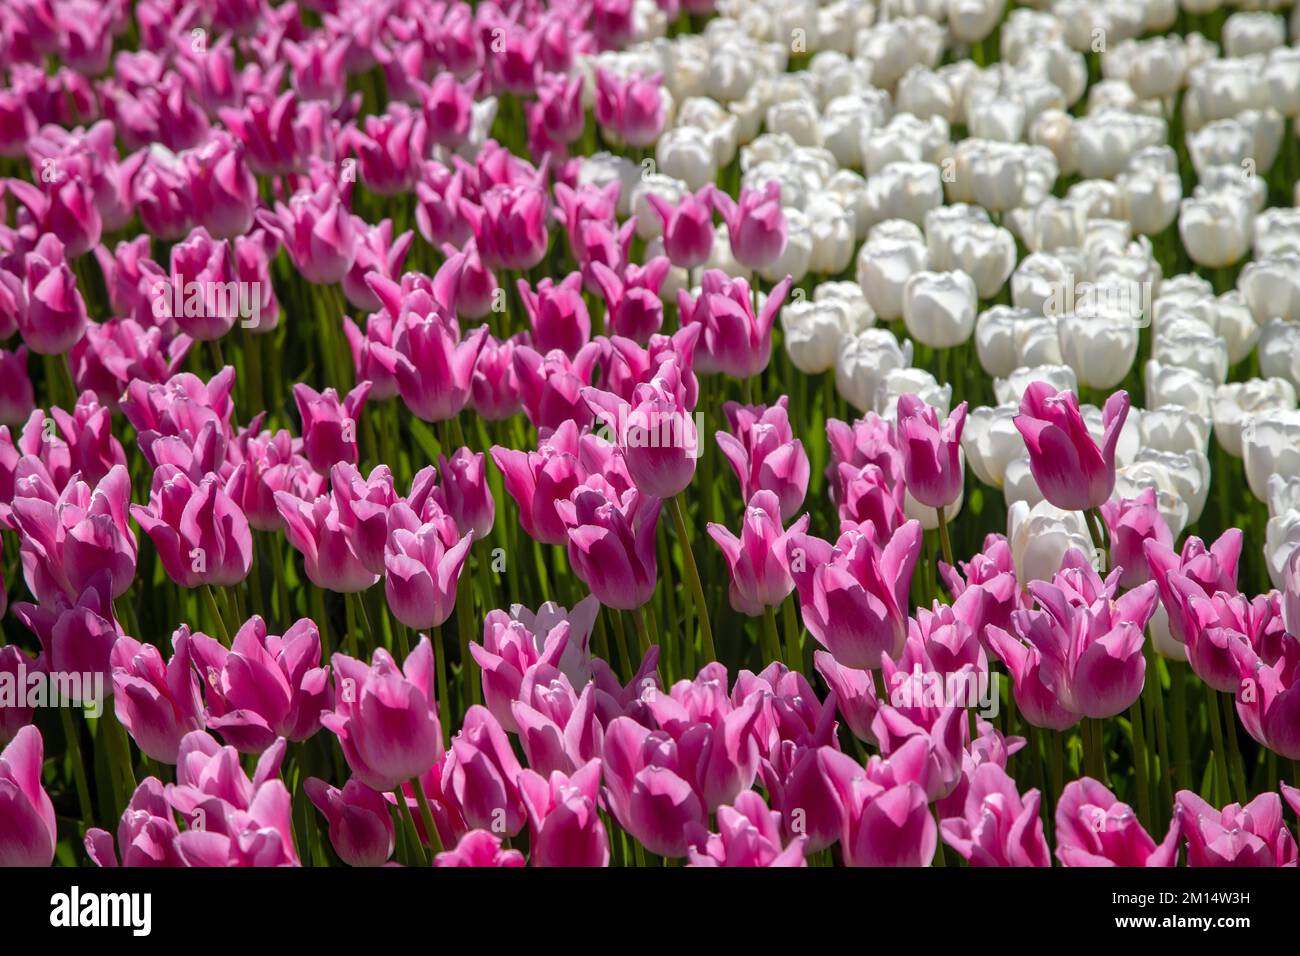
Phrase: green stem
[426,816]
[944,542]
[408,824]
[1234,754]
[73,742]
[1216,735]
[1178,707]
[693,574]
[440,666]
[1140,761]
[771,643]
[1098,539]
[793,636]
[210,602]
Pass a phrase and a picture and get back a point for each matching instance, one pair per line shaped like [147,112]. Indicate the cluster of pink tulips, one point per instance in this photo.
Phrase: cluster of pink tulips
[484,434]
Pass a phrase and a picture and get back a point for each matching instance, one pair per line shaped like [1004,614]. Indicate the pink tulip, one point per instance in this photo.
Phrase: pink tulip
[1093,828]
[76,638]
[27,828]
[733,339]
[479,848]
[687,227]
[756,224]
[146,832]
[464,492]
[360,827]
[630,107]
[224,193]
[316,529]
[1131,522]
[564,827]
[447,105]
[1268,696]
[494,391]
[231,820]
[434,367]
[653,801]
[52,317]
[854,595]
[17,667]
[550,385]
[1081,652]
[509,225]
[999,827]
[157,702]
[748,835]
[201,535]
[888,826]
[633,307]
[764,453]
[71,538]
[931,452]
[438,197]
[377,253]
[66,209]
[559,107]
[612,544]
[264,687]
[557,314]
[481,776]
[855,694]
[422,568]
[329,427]
[386,718]
[1211,570]
[162,192]
[269,463]
[317,231]
[1069,468]
[760,575]
[391,149]
[990,746]
[656,437]
[1253,835]
[316,69]
[1218,625]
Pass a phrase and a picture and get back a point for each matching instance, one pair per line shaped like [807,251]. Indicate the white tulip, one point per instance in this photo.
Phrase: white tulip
[798,119]
[1279,351]
[1054,130]
[1055,223]
[943,225]
[1247,33]
[863,362]
[813,332]
[1158,68]
[1040,536]
[991,442]
[851,190]
[1283,494]
[716,122]
[1270,445]
[1174,429]
[849,295]
[1007,338]
[1019,483]
[1236,402]
[1105,141]
[1186,475]
[987,253]
[1277,232]
[1011,388]
[1038,280]
[832,234]
[905,191]
[1189,342]
[1151,199]
[1174,385]
[1271,288]
[1281,540]
[972,20]
[1215,229]
[602,169]
[892,47]
[1237,182]
[884,266]
[1100,348]
[939,308]
[924,93]
[998,118]
[1228,316]
[1131,482]
[1282,77]
[911,381]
